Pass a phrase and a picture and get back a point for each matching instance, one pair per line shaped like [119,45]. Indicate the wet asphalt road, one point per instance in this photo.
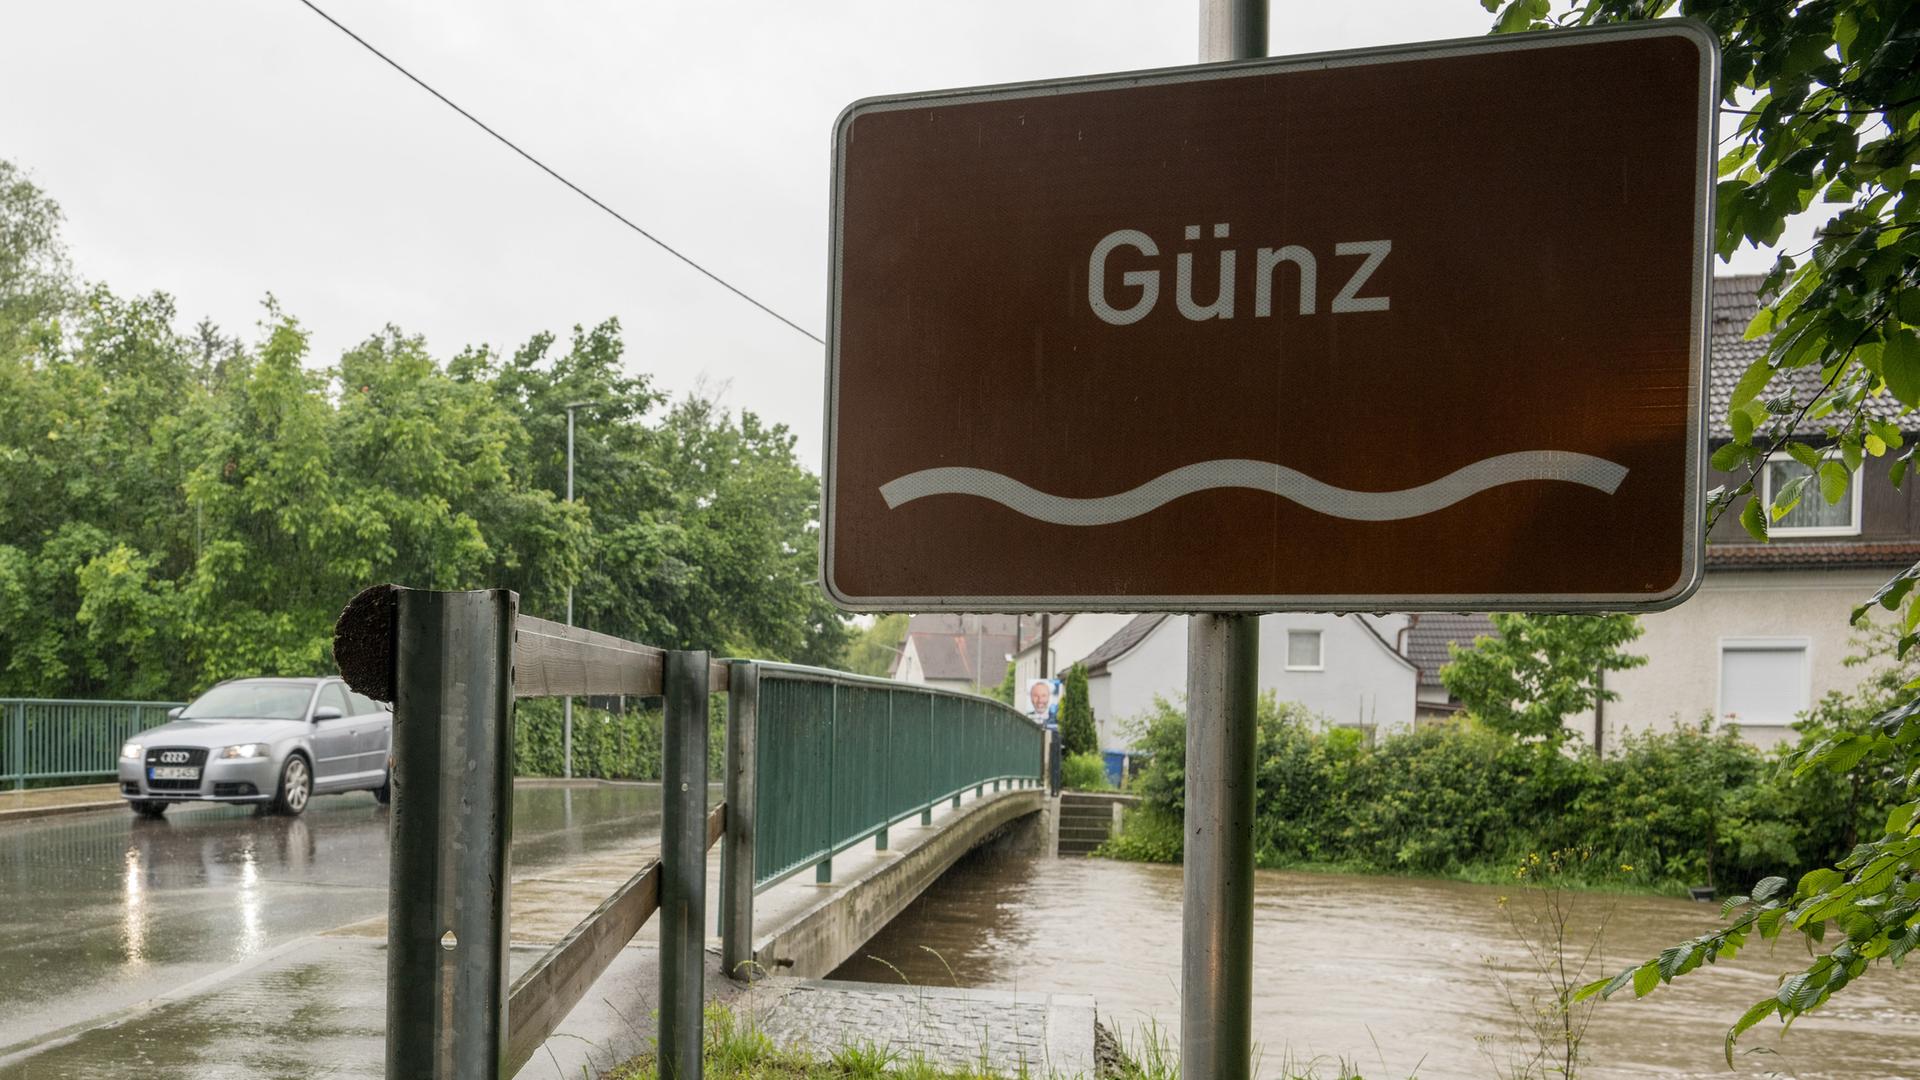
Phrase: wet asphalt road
[101,912]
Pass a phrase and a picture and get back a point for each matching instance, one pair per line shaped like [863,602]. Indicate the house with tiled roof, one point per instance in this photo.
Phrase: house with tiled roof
[1350,670]
[956,652]
[1767,634]
[1430,641]
[1070,638]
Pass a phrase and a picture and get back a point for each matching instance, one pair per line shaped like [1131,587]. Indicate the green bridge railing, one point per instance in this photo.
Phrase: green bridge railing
[45,739]
[839,758]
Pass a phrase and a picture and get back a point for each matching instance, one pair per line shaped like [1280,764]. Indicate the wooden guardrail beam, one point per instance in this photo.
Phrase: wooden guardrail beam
[542,997]
[550,659]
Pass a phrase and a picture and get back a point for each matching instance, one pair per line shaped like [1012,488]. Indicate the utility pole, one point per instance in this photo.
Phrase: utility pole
[566,703]
[1223,678]
[1055,749]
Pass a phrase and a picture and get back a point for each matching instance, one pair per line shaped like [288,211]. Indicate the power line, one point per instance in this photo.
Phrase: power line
[543,167]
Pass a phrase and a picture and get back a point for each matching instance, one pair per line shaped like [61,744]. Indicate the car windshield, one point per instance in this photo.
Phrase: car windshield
[251,701]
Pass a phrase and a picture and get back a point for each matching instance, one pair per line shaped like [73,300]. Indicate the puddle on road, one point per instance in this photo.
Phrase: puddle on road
[308,1018]
[102,912]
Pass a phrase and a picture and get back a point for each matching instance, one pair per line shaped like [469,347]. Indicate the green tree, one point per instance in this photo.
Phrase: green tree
[873,650]
[1827,96]
[704,523]
[1006,690]
[186,507]
[35,279]
[1537,670]
[1078,735]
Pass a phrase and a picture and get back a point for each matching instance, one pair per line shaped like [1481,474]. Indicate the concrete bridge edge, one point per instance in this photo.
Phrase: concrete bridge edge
[824,934]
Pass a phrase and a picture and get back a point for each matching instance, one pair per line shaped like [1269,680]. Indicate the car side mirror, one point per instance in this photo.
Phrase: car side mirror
[327,712]
[174,713]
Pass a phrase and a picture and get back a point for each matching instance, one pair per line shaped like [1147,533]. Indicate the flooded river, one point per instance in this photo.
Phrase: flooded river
[1399,976]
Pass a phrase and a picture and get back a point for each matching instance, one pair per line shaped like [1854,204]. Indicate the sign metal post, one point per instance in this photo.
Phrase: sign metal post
[1223,690]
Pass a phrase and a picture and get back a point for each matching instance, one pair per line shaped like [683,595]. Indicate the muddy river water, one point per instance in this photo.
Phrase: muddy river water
[1399,976]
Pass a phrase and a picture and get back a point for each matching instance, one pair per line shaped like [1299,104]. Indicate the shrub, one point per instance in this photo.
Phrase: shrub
[1433,800]
[1665,802]
[1300,782]
[1084,772]
[1161,737]
[1148,833]
[611,745]
[1674,808]
[607,744]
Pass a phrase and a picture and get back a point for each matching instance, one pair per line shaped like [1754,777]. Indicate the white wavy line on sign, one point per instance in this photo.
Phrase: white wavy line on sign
[1564,466]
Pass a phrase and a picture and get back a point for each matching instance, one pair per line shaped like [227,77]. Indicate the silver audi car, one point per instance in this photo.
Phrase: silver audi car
[273,742]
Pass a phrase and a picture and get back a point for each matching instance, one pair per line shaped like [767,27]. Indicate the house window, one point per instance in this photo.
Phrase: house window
[1812,515]
[1763,680]
[1303,651]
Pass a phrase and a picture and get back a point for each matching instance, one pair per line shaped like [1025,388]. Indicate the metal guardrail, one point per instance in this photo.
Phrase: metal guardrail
[52,739]
[844,758]
[452,664]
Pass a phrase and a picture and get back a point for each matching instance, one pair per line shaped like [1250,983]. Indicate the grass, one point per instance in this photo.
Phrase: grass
[737,1050]
[1491,872]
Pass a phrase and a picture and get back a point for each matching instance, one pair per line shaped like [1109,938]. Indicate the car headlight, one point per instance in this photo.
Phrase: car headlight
[244,750]
[130,752]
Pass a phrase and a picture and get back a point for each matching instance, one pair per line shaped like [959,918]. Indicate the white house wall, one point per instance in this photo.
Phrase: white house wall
[1156,666]
[1362,682]
[1680,683]
[909,669]
[1069,643]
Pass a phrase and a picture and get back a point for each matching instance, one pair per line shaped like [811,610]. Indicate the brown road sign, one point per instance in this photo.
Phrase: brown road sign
[1417,328]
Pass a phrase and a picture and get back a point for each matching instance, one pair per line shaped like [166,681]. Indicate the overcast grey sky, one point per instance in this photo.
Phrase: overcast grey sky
[222,149]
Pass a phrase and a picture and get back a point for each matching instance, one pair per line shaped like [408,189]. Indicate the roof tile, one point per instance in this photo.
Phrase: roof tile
[1736,299]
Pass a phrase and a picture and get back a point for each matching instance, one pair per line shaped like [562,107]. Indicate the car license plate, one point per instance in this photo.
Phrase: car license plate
[173,772]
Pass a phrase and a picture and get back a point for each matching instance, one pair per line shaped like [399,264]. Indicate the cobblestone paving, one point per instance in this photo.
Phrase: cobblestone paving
[1045,1034]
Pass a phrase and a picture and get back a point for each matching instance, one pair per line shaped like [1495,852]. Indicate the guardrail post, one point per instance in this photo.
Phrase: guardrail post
[736,872]
[452,823]
[683,864]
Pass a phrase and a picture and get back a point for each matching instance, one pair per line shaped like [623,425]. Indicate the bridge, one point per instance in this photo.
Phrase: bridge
[841,799]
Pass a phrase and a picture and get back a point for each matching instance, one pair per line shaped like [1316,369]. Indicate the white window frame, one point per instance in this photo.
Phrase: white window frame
[1760,644]
[1812,491]
[1320,636]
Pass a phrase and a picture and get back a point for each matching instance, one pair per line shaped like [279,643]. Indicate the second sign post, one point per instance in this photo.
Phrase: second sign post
[1223,694]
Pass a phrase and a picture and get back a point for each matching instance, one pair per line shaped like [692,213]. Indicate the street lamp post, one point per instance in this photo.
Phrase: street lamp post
[566,704]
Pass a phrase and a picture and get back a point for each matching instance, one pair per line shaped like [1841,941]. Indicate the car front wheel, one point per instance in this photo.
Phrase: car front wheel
[296,785]
[148,809]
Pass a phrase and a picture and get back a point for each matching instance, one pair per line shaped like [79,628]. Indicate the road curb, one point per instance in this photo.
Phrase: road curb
[27,813]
